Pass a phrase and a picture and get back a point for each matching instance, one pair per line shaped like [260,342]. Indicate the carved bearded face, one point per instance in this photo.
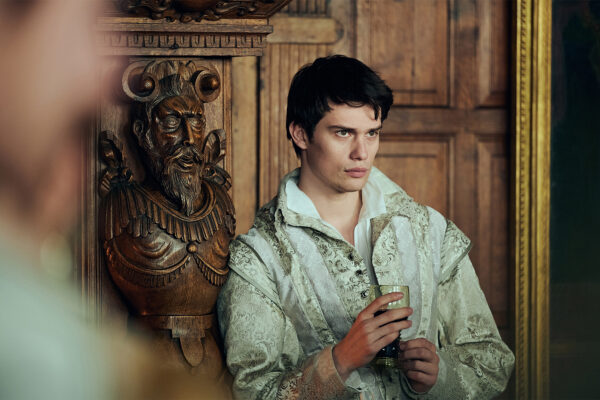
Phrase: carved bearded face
[176,134]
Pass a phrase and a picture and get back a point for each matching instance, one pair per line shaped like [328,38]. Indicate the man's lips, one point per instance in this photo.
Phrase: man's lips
[186,164]
[356,172]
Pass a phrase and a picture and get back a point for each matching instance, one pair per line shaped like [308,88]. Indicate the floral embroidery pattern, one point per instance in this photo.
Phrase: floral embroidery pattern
[343,263]
[263,350]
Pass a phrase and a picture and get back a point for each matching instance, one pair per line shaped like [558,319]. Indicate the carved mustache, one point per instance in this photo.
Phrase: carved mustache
[184,156]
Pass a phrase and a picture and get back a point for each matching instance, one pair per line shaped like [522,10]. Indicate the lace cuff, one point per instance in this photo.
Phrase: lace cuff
[318,380]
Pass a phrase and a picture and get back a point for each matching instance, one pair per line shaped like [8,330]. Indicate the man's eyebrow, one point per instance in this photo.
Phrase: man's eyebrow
[341,127]
[163,112]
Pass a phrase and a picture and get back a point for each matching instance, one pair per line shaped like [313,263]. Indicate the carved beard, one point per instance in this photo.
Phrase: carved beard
[180,176]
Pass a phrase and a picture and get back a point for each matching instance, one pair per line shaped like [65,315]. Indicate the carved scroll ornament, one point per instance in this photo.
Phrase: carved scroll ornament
[166,238]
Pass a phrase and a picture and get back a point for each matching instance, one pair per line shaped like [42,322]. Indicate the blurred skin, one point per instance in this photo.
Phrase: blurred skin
[335,165]
[47,84]
[48,69]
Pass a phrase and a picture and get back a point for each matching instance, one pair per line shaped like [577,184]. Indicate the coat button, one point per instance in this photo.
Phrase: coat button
[359,272]
[363,294]
[351,257]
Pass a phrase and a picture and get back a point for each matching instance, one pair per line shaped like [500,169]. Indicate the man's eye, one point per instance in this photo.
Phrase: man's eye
[342,133]
[374,133]
[171,122]
[196,122]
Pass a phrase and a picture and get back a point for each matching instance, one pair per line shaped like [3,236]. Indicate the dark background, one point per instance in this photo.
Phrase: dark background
[575,201]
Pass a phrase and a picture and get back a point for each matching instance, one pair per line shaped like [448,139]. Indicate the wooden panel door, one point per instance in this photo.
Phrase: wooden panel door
[446,137]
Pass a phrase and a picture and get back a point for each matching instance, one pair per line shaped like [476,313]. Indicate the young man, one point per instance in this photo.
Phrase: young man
[294,313]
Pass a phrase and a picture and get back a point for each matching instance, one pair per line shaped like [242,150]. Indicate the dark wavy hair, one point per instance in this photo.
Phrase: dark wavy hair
[335,79]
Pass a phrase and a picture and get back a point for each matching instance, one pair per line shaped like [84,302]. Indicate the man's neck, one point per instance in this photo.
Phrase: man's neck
[341,210]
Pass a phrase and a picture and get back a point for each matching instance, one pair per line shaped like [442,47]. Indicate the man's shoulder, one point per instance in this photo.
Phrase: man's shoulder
[400,203]
[396,200]
[251,246]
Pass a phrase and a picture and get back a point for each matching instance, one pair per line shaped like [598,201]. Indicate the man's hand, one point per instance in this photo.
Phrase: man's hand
[369,334]
[420,363]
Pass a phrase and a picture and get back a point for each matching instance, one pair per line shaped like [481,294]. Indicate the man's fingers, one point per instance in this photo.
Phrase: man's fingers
[422,366]
[380,302]
[392,330]
[420,362]
[420,353]
[416,343]
[421,377]
[393,315]
[384,340]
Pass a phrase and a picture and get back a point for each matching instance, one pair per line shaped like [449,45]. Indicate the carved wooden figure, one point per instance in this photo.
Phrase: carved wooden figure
[166,238]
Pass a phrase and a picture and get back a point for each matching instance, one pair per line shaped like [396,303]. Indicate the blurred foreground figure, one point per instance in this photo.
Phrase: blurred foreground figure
[47,348]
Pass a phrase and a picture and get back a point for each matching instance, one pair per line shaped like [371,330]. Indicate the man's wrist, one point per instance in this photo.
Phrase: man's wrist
[338,362]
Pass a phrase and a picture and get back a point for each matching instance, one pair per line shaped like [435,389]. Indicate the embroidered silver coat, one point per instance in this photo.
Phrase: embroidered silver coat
[296,286]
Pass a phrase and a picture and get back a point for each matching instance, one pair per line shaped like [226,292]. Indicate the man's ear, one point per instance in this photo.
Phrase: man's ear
[138,128]
[299,136]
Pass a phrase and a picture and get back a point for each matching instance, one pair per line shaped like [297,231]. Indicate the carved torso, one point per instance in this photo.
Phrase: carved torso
[155,251]
[166,240]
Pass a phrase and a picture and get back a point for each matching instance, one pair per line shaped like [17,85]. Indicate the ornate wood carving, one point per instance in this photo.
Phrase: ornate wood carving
[198,10]
[166,238]
[127,36]
[196,27]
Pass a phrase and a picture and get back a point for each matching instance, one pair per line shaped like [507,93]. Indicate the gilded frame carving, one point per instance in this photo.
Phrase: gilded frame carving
[531,195]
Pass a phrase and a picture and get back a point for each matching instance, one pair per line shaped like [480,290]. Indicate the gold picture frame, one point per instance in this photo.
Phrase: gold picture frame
[531,195]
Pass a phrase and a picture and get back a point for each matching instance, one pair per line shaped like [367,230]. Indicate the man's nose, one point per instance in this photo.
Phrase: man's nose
[188,133]
[359,150]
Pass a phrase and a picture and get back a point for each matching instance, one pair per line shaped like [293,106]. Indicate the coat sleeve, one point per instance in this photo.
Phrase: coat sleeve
[474,361]
[262,349]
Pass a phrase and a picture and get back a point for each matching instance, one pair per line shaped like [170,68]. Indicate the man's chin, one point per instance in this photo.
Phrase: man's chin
[354,185]
[183,189]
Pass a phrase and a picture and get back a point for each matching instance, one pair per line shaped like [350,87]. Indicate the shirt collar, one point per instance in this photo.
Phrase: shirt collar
[297,201]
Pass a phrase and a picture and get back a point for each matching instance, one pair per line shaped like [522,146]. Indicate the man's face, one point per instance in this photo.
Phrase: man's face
[342,149]
[177,121]
[177,132]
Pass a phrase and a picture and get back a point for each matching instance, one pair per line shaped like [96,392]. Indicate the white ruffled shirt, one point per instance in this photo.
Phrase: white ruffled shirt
[372,205]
